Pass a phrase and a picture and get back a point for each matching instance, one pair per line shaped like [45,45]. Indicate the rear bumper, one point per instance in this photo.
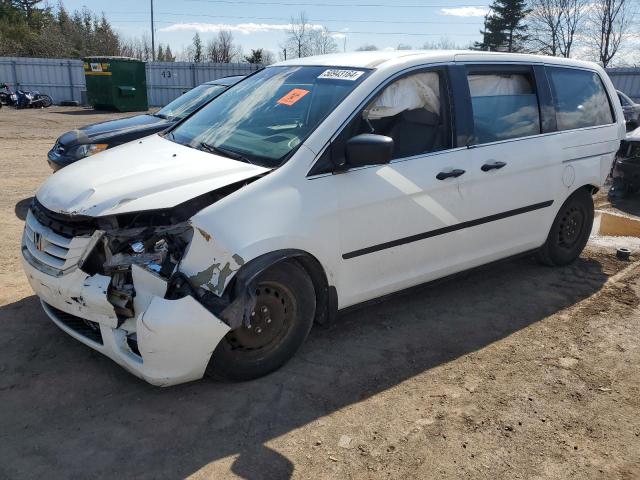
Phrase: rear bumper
[174,338]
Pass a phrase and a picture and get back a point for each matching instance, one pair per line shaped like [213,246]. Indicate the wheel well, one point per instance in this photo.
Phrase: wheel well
[326,296]
[592,189]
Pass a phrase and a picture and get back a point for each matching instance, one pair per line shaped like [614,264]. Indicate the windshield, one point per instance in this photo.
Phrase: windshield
[187,103]
[265,117]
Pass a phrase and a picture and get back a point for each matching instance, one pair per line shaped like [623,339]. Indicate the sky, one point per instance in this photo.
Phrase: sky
[263,23]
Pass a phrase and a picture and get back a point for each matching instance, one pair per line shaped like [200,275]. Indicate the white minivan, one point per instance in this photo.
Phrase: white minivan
[313,185]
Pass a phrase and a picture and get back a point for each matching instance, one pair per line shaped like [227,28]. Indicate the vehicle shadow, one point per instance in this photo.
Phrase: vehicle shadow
[69,412]
[629,204]
[22,207]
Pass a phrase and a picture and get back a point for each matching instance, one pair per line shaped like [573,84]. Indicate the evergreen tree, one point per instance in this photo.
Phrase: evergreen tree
[255,57]
[197,48]
[34,29]
[505,28]
[160,54]
[168,56]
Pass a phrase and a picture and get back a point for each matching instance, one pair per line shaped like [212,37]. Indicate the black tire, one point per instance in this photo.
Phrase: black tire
[281,321]
[46,101]
[570,230]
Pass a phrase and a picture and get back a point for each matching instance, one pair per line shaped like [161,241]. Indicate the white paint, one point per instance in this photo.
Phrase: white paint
[568,176]
[76,293]
[141,175]
[175,337]
[326,216]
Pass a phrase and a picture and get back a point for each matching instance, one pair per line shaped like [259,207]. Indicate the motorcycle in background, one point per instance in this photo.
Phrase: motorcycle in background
[23,98]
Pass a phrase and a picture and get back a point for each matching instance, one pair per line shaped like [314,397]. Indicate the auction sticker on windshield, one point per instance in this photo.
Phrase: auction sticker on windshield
[293,96]
[335,74]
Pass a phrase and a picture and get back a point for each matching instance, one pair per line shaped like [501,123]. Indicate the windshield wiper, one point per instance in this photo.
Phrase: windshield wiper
[161,115]
[224,152]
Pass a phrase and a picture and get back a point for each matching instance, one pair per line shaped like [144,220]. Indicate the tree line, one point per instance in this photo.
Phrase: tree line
[557,27]
[594,29]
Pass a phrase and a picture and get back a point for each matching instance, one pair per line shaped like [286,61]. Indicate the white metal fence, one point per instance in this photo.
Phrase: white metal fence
[63,79]
[168,80]
[626,80]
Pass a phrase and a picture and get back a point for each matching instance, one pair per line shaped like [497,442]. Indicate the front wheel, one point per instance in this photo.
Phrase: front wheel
[280,322]
[570,230]
[45,101]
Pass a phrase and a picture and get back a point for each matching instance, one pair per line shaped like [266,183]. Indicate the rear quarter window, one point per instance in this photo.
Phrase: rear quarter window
[580,98]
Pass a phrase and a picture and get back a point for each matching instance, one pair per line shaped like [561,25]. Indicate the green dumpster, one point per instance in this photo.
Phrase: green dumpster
[116,83]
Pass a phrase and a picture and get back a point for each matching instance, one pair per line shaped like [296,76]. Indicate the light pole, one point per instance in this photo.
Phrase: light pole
[153,39]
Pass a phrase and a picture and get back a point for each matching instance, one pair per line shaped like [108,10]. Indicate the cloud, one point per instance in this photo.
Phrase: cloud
[244,28]
[465,11]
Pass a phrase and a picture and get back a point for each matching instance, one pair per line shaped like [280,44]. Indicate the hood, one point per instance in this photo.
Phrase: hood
[146,174]
[104,130]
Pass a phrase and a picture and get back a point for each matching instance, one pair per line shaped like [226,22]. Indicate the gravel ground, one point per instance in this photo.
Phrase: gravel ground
[514,371]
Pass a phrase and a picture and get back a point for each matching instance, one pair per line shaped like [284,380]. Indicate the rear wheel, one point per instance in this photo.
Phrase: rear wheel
[279,324]
[570,230]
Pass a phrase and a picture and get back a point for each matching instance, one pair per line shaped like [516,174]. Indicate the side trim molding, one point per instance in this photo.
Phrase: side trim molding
[445,230]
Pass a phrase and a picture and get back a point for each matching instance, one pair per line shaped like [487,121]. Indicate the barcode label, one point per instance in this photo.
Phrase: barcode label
[334,74]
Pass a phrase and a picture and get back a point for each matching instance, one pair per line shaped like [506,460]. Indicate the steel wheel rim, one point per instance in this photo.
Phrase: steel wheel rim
[571,227]
[270,320]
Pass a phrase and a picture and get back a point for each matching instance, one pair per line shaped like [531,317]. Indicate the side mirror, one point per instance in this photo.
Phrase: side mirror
[631,125]
[369,149]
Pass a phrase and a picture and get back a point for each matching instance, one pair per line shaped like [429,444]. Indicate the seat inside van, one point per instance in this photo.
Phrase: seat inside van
[409,111]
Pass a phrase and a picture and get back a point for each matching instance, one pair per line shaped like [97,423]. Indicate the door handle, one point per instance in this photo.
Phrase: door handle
[453,173]
[492,166]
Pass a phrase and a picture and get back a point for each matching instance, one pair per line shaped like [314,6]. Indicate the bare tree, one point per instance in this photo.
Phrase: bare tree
[554,23]
[367,48]
[443,43]
[299,40]
[222,49]
[138,47]
[610,20]
[321,42]
[574,14]
[267,57]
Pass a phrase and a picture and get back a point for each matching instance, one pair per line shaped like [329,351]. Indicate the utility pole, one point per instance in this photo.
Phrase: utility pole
[153,39]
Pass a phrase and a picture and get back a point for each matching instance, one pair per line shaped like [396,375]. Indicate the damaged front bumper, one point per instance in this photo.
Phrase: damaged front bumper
[166,343]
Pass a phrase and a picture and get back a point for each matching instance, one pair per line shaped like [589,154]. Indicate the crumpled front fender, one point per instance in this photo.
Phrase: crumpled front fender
[208,263]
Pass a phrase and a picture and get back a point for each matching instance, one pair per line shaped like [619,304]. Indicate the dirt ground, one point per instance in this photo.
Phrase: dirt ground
[514,371]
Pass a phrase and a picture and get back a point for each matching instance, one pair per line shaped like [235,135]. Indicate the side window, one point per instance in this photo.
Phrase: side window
[412,110]
[580,98]
[505,105]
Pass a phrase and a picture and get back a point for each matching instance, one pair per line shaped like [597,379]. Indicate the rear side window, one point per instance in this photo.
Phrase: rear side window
[580,98]
[504,106]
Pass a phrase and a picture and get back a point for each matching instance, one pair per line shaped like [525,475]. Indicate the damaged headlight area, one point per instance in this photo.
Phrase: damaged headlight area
[158,249]
[154,240]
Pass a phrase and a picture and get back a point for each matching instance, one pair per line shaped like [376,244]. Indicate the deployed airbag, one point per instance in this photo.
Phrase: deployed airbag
[416,91]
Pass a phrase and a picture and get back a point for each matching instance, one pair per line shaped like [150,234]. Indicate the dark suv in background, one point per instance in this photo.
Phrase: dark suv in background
[92,139]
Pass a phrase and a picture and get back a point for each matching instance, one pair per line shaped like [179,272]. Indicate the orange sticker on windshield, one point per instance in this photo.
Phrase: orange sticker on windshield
[293,96]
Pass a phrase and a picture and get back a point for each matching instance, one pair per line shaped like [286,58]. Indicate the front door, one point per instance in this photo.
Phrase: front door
[394,219]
